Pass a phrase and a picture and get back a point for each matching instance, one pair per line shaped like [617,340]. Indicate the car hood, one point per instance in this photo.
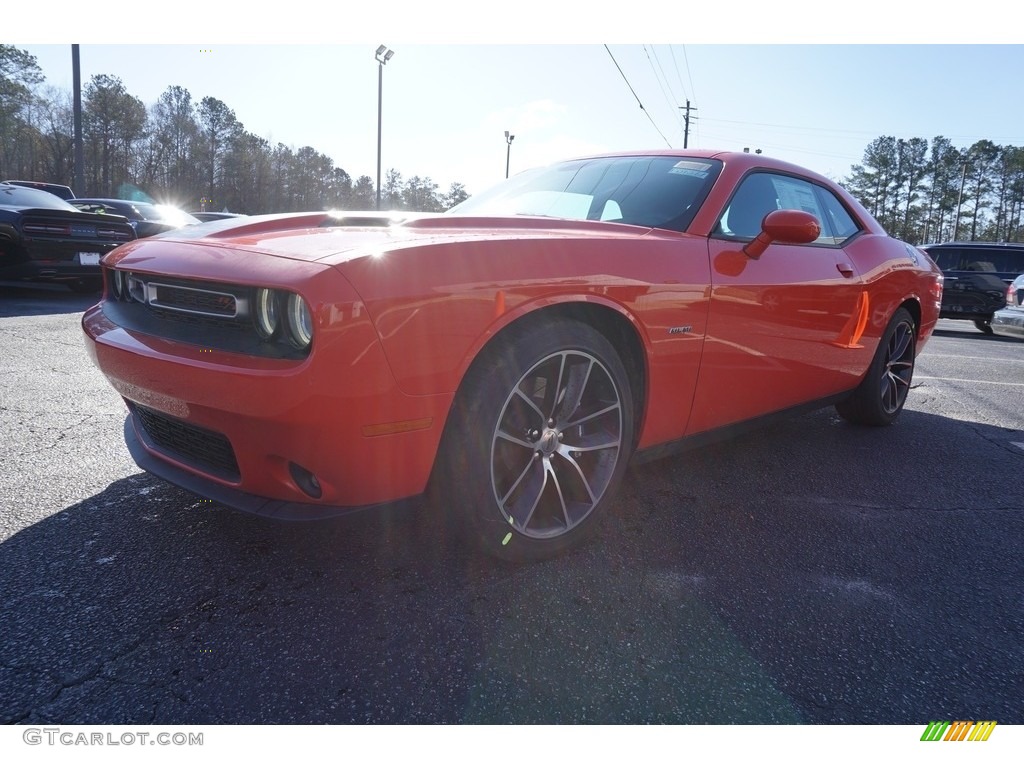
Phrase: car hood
[335,238]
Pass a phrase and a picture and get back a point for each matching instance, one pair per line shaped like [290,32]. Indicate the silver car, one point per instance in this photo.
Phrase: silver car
[1009,321]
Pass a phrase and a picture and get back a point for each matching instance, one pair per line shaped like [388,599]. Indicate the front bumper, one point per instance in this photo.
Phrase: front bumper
[1009,322]
[338,414]
[145,454]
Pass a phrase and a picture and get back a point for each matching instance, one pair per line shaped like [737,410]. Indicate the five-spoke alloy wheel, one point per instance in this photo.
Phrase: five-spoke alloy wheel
[539,440]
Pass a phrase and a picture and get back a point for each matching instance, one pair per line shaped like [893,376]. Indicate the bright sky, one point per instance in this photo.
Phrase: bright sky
[534,71]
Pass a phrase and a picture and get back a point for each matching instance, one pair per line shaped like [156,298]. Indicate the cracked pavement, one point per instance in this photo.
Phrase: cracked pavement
[808,572]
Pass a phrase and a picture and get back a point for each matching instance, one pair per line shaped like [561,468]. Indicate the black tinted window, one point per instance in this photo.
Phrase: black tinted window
[24,197]
[967,259]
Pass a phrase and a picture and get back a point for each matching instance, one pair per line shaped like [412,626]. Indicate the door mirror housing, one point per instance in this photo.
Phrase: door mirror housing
[787,226]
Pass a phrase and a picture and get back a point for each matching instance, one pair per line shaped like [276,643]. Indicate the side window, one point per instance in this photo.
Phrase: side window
[979,261]
[800,195]
[946,259]
[1008,260]
[755,199]
[761,193]
[838,219]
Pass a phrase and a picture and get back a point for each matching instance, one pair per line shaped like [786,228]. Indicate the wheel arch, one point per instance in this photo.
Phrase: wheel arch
[913,305]
[611,322]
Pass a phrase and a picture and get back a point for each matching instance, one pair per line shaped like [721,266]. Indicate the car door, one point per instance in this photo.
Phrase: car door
[783,328]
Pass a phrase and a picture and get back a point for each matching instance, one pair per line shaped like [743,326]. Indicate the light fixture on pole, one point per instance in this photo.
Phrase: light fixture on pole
[383,55]
[508,152]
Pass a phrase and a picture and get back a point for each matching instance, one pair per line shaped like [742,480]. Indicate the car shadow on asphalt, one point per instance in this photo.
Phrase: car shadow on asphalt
[796,574]
[33,299]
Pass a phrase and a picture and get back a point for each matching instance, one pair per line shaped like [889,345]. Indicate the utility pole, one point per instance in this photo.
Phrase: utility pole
[76,75]
[959,200]
[383,55]
[686,123]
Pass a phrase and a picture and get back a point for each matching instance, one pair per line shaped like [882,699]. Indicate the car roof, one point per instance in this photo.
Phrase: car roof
[63,191]
[37,198]
[742,160]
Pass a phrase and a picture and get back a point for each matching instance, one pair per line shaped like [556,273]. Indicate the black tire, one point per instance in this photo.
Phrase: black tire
[879,398]
[537,442]
[985,326]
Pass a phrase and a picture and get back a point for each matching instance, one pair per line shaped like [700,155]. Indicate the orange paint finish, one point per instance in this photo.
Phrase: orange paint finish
[400,313]
[311,412]
[431,337]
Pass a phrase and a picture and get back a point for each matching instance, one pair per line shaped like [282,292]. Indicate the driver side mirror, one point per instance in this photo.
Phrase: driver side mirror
[788,226]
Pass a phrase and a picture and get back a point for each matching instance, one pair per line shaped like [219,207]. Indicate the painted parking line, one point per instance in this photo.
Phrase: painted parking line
[971,381]
[1000,360]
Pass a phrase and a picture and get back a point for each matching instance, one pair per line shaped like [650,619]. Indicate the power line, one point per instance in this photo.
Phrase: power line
[725,142]
[626,80]
[852,133]
[670,98]
[679,77]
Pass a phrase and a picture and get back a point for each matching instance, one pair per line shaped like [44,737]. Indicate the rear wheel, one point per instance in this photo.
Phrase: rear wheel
[985,326]
[538,441]
[881,395]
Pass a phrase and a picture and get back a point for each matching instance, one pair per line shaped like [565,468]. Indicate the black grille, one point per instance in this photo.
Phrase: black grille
[199,321]
[209,314]
[203,448]
[189,299]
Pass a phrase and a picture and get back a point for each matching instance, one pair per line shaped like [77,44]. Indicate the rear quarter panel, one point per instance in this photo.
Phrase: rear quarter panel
[895,272]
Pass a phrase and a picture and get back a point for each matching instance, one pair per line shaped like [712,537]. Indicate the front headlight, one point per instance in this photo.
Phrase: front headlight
[266,315]
[300,322]
[119,284]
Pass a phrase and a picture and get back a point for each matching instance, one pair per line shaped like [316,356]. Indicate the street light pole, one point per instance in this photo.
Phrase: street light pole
[508,152]
[383,54]
[76,79]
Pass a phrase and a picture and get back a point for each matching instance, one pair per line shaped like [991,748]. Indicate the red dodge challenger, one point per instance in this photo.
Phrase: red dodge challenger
[513,354]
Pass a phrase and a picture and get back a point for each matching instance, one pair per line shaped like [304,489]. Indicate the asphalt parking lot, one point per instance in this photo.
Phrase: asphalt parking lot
[809,572]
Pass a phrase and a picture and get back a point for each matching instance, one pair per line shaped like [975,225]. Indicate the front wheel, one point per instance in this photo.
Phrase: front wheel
[881,395]
[538,440]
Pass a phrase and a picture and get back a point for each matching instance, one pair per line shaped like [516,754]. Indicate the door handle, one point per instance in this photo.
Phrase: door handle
[845,269]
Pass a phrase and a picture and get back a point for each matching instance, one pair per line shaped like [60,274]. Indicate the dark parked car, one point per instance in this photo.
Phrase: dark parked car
[976,278]
[44,238]
[1009,321]
[147,218]
[60,190]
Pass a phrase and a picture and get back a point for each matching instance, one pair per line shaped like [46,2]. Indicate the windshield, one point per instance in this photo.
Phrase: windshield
[24,197]
[654,191]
